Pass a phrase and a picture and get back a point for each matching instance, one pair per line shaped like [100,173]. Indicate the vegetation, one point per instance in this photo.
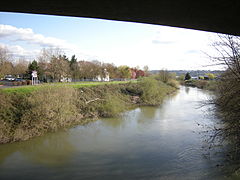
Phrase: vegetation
[52,65]
[29,89]
[187,76]
[153,91]
[227,97]
[202,84]
[211,76]
[227,94]
[26,113]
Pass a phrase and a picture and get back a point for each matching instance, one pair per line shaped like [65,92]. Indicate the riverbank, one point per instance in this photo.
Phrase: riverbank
[202,84]
[46,109]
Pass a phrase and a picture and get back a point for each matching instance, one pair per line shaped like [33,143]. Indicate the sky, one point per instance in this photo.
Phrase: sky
[121,43]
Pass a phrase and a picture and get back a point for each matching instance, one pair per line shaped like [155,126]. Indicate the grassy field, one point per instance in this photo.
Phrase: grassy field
[29,89]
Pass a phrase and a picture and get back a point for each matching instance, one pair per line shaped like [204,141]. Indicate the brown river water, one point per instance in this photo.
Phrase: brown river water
[162,142]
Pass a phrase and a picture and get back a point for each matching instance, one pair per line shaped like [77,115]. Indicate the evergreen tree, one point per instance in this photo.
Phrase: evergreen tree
[74,67]
[33,67]
[73,60]
[187,76]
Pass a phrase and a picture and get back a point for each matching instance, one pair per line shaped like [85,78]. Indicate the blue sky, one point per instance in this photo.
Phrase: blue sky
[121,43]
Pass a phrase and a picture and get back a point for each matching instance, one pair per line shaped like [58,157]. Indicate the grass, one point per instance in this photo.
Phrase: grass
[30,111]
[29,89]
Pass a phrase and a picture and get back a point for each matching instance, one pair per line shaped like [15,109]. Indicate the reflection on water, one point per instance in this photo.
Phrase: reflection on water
[187,89]
[49,150]
[145,143]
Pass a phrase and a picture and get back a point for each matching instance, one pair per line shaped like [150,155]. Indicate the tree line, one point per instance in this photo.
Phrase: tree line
[53,65]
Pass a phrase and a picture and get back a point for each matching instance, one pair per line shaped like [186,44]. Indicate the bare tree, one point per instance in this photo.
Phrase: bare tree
[228,53]
[21,67]
[227,99]
[6,66]
[59,68]
[46,61]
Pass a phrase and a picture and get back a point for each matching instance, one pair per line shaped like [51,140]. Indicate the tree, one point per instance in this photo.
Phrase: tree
[187,76]
[90,69]
[124,72]
[111,69]
[227,97]
[210,76]
[181,77]
[140,73]
[33,66]
[45,63]
[59,68]
[6,66]
[74,68]
[164,76]
[146,69]
[21,68]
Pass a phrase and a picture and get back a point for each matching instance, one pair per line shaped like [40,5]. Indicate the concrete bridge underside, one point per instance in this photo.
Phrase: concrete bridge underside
[213,15]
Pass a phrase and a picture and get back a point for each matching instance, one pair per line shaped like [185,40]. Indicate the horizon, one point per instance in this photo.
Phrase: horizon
[108,41]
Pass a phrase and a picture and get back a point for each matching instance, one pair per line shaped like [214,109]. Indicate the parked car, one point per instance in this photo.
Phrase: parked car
[9,78]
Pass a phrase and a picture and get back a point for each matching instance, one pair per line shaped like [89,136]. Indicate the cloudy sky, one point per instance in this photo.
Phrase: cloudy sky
[121,43]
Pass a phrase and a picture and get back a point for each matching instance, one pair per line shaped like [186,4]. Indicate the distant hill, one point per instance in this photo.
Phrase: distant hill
[193,73]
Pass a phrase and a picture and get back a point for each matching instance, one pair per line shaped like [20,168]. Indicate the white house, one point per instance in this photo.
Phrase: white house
[105,77]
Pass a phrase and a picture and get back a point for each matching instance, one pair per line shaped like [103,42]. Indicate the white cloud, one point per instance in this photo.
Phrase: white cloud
[28,35]
[14,35]
[19,51]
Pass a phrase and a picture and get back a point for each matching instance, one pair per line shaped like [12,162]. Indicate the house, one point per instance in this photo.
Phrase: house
[105,77]
[65,79]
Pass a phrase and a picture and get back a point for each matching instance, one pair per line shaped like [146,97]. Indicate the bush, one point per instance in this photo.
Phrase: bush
[132,89]
[164,76]
[173,83]
[95,102]
[201,83]
[153,91]
[112,106]
[7,117]
[50,108]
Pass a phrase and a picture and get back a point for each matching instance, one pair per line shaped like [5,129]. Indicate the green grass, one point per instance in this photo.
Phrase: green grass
[29,89]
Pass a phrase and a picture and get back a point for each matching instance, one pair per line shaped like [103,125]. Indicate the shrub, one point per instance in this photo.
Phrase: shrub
[173,83]
[201,84]
[51,108]
[95,102]
[132,89]
[7,117]
[112,106]
[187,76]
[153,91]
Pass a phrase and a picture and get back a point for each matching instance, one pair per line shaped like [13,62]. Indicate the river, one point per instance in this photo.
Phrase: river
[163,142]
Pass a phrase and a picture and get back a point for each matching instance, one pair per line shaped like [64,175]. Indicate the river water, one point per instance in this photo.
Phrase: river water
[163,142]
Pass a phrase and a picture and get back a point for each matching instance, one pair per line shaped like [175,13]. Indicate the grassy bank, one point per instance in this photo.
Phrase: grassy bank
[202,84]
[26,113]
[29,89]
